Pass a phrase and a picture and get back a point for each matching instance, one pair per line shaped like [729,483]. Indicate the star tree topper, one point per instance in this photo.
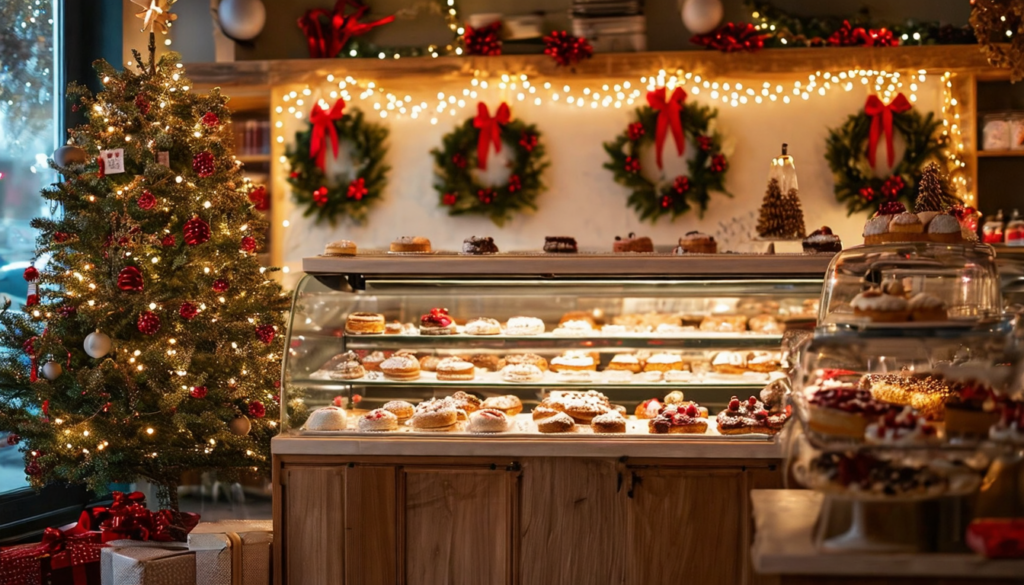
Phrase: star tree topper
[157,14]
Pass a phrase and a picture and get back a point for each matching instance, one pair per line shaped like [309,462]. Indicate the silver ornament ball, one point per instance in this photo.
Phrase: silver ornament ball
[68,154]
[242,19]
[240,425]
[52,370]
[97,344]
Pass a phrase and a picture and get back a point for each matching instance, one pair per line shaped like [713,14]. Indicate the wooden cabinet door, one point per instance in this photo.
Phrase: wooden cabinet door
[686,526]
[572,523]
[458,525]
[371,525]
[313,513]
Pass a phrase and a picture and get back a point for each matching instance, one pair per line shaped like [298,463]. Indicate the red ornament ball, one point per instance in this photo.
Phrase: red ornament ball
[31,274]
[148,323]
[681,184]
[320,196]
[256,409]
[146,201]
[13,438]
[211,120]
[220,285]
[142,104]
[188,311]
[449,198]
[258,197]
[265,333]
[167,241]
[636,131]
[514,184]
[33,469]
[196,231]
[203,163]
[60,237]
[32,300]
[130,279]
[248,244]
[357,189]
[197,392]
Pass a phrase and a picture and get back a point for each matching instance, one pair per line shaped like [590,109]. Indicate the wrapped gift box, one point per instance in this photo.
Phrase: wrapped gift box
[232,552]
[130,562]
[68,555]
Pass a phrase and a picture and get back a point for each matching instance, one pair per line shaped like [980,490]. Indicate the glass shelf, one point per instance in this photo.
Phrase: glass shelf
[497,386]
[548,341]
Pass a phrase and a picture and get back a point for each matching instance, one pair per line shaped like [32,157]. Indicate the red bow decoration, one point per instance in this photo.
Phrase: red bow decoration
[668,117]
[881,121]
[490,130]
[70,547]
[127,518]
[326,44]
[323,122]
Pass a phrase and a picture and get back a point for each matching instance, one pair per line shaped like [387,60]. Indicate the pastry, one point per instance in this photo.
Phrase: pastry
[971,410]
[581,406]
[509,404]
[348,370]
[926,218]
[489,421]
[400,408]
[560,244]
[944,229]
[340,248]
[543,412]
[730,362]
[880,307]
[574,329]
[437,322]
[925,307]
[750,416]
[482,326]
[524,358]
[524,326]
[401,366]
[609,422]
[724,323]
[573,361]
[864,474]
[455,369]
[670,329]
[822,240]
[764,361]
[575,376]
[678,420]
[774,394]
[632,243]
[675,397]
[373,361]
[521,373]
[479,245]
[435,415]
[485,361]
[556,423]
[411,244]
[906,227]
[625,361]
[429,363]
[901,428]
[677,376]
[394,328]
[876,230]
[587,316]
[895,288]
[765,324]
[328,418]
[648,408]
[663,362]
[652,376]
[697,243]
[843,410]
[617,376]
[364,324]
[465,402]
[377,420]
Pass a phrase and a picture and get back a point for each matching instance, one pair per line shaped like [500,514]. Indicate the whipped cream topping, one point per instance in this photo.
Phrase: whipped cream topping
[664,358]
[944,224]
[877,226]
[906,218]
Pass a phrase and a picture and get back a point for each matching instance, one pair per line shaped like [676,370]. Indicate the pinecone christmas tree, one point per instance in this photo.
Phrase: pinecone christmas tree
[781,216]
[934,192]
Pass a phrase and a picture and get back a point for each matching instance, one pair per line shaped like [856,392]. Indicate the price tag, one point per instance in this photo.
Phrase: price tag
[33,288]
[164,158]
[113,161]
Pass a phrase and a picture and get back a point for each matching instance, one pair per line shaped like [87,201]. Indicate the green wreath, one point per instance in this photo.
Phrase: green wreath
[343,195]
[706,169]
[855,183]
[462,194]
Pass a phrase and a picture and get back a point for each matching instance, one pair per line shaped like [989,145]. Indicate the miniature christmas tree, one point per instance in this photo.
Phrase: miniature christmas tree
[934,192]
[781,216]
[150,343]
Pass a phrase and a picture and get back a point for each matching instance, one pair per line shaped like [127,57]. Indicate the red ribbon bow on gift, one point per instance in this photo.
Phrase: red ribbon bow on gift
[668,117]
[327,44]
[72,546]
[323,122]
[490,130]
[127,518]
[881,120]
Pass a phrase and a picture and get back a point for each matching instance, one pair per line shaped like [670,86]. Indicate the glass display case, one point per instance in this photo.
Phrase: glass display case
[630,327]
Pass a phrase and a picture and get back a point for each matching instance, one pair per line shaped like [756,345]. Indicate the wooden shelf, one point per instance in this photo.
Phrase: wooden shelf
[768,62]
[1000,153]
[253,158]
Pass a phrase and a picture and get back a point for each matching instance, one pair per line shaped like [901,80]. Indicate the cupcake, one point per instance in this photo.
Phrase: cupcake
[697,243]
[926,307]
[906,227]
[880,307]
[944,229]
[822,240]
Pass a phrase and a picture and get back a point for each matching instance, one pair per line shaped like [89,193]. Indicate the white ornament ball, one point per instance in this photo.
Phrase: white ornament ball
[240,425]
[242,19]
[97,344]
[52,370]
[68,154]
[702,16]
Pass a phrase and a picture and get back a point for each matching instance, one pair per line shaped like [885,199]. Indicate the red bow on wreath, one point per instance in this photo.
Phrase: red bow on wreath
[668,117]
[323,122]
[490,131]
[328,43]
[881,121]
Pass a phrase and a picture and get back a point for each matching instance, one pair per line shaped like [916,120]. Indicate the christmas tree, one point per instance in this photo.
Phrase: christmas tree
[781,216]
[151,341]
[934,192]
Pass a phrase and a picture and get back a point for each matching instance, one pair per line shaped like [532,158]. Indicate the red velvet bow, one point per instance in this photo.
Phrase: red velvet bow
[328,43]
[323,122]
[881,120]
[70,547]
[490,130]
[668,117]
[128,519]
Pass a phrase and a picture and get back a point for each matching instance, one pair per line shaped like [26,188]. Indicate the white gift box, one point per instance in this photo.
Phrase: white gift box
[232,552]
[131,562]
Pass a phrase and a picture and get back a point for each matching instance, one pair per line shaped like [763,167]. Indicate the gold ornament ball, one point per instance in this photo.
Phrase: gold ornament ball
[68,154]
[52,370]
[240,425]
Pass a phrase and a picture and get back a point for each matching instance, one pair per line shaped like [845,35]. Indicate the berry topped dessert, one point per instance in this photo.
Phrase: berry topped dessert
[863,473]
[648,408]
[696,243]
[822,240]
[844,410]
[632,243]
[479,245]
[905,427]
[876,230]
[679,419]
[437,322]
[971,410]
[560,244]
[749,416]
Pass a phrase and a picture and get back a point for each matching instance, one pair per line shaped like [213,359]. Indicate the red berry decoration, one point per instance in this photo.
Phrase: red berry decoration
[459,160]
[751,401]
[248,244]
[761,414]
[265,333]
[892,187]
[148,323]
[31,274]
[197,392]
[681,184]
[142,104]
[60,237]
[258,197]
[636,131]
[732,37]
[130,279]
[734,404]
[196,231]
[356,189]
[718,163]
[146,201]
[188,311]
[67,311]
[320,196]
[666,201]
[486,196]
[632,165]
[891,208]
[449,198]
[211,120]
[220,285]
[528,141]
[31,300]
[483,40]
[203,163]
[514,183]
[567,49]
[705,143]
[256,409]
[167,241]
[867,193]
[692,410]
